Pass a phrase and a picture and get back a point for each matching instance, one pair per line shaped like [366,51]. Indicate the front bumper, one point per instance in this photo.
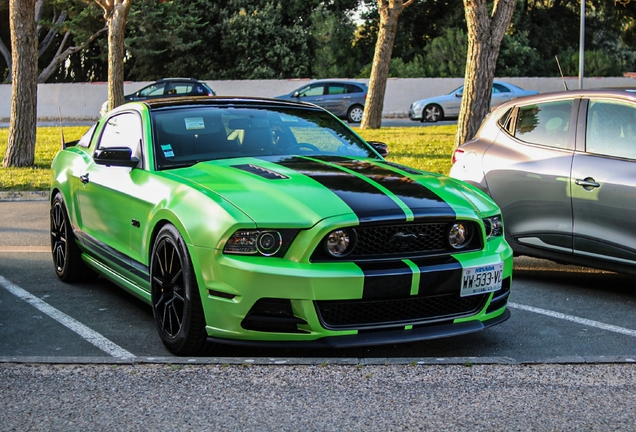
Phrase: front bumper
[277,302]
[440,330]
[415,115]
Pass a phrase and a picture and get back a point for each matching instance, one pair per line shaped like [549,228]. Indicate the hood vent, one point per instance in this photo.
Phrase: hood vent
[261,172]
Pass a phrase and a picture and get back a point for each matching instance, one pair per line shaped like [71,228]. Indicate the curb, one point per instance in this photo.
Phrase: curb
[24,196]
[269,361]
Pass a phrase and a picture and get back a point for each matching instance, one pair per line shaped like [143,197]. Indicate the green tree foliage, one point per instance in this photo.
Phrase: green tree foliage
[246,39]
[331,42]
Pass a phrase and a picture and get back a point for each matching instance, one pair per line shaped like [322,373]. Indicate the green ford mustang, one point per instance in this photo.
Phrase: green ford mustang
[271,223]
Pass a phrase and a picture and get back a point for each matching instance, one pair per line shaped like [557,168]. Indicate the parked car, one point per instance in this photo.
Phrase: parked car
[561,166]
[344,99]
[447,106]
[167,87]
[268,222]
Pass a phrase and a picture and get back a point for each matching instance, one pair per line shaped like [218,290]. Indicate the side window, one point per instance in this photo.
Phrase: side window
[180,88]
[123,130]
[336,89]
[498,88]
[153,90]
[546,124]
[313,90]
[611,129]
[354,89]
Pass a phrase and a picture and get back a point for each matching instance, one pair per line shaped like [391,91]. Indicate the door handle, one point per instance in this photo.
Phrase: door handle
[588,183]
[84,178]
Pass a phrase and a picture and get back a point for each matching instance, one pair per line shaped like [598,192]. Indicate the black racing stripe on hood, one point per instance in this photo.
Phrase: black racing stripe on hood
[366,200]
[420,199]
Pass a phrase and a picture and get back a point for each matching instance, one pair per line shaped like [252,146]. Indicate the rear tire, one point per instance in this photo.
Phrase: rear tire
[67,256]
[176,301]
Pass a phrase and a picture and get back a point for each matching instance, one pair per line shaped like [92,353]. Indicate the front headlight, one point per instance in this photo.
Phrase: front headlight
[252,242]
[494,227]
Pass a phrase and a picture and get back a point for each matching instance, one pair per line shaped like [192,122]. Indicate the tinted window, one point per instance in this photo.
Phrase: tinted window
[506,121]
[546,124]
[611,129]
[153,90]
[335,89]
[498,88]
[354,89]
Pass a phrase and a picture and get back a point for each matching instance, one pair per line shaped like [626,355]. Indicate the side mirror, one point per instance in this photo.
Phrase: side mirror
[380,147]
[115,156]
[296,94]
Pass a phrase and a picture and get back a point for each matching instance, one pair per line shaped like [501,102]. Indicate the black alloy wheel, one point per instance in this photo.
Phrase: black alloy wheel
[67,257]
[176,301]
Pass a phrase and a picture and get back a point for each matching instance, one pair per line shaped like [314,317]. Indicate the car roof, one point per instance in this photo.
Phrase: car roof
[223,101]
[335,80]
[177,79]
[620,93]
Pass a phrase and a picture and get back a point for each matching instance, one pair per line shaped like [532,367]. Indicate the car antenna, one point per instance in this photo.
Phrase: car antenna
[59,110]
[561,72]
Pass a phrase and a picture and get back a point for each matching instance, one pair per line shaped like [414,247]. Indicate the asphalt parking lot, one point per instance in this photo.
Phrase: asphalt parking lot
[87,357]
[559,313]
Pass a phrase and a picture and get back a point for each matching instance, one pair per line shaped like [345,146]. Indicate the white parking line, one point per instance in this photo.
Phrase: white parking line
[86,333]
[578,320]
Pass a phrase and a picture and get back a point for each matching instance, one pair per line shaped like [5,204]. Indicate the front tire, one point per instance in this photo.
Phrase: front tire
[354,115]
[432,113]
[67,257]
[176,301]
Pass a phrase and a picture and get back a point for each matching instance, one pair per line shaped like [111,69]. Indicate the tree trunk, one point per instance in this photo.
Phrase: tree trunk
[389,13]
[24,87]
[115,14]
[484,39]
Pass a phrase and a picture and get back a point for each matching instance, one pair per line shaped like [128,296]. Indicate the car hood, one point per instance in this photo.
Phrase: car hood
[295,191]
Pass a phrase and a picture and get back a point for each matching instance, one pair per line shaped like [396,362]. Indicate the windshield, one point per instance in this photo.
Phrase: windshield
[185,136]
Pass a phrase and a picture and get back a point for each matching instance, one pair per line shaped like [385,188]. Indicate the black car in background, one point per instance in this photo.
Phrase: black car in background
[167,87]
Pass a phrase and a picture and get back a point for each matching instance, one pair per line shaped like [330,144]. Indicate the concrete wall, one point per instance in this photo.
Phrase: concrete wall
[81,102]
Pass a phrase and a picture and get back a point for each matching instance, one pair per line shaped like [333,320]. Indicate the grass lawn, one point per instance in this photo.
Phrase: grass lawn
[428,148]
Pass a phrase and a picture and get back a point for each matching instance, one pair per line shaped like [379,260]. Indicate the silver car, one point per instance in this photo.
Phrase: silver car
[345,99]
[447,106]
[562,167]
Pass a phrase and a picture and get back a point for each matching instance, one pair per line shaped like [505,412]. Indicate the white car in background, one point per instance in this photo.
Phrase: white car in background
[447,106]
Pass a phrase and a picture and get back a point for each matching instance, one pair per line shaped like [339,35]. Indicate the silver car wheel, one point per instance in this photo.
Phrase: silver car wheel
[432,113]
[355,114]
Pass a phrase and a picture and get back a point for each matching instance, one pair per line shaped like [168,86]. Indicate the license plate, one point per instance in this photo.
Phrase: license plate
[483,279]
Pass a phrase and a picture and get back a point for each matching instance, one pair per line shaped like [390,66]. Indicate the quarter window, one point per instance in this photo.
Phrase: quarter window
[611,129]
[546,124]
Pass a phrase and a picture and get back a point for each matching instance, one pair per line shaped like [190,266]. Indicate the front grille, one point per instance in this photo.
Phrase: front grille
[356,314]
[402,241]
[384,240]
